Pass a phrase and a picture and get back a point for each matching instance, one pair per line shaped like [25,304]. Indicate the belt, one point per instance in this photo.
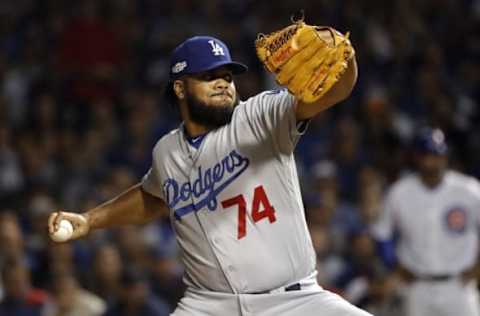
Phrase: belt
[436,277]
[409,276]
[293,287]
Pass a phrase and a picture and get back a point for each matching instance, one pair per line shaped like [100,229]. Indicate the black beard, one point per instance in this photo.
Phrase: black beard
[210,116]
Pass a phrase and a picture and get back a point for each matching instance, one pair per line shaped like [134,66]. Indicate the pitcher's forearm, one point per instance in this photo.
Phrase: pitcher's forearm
[134,206]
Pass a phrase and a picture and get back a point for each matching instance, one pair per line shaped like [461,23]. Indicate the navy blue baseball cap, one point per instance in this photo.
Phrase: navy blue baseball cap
[201,53]
[430,140]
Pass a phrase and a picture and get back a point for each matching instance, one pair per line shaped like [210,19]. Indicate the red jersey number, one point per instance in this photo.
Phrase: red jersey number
[261,208]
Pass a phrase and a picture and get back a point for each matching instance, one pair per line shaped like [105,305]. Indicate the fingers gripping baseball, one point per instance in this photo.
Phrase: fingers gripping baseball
[65,226]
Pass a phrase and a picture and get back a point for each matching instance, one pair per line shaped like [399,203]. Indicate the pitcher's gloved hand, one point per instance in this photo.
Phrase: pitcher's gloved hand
[307,59]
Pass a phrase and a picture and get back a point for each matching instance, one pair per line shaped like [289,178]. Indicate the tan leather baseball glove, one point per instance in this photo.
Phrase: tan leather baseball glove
[307,59]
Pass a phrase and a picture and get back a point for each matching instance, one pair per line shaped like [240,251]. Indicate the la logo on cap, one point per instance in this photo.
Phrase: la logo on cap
[217,50]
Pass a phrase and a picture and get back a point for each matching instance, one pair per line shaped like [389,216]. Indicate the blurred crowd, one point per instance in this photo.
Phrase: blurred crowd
[81,107]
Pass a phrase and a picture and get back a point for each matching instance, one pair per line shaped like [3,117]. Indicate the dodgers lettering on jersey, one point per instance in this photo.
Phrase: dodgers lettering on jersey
[235,201]
[210,181]
[438,227]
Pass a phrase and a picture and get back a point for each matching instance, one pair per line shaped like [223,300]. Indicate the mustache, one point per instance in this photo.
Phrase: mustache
[222,93]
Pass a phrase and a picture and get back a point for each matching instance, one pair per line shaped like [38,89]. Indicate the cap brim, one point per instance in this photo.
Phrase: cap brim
[236,68]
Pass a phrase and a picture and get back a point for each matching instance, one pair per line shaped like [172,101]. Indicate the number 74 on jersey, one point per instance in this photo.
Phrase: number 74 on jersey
[261,209]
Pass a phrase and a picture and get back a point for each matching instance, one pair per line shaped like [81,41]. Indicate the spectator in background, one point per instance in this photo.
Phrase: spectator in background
[337,215]
[60,258]
[107,270]
[370,190]
[11,239]
[132,245]
[20,298]
[11,174]
[385,128]
[69,299]
[166,275]
[362,271]
[43,114]
[38,160]
[11,242]
[36,241]
[90,54]
[348,155]
[142,129]
[136,298]
[329,262]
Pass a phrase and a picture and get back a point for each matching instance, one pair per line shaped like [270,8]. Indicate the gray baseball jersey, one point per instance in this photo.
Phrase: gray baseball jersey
[235,201]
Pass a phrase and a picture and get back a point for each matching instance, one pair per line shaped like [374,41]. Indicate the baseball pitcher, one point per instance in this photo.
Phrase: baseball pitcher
[226,176]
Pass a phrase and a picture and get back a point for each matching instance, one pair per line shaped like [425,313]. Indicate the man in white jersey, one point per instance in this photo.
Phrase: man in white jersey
[434,215]
[227,180]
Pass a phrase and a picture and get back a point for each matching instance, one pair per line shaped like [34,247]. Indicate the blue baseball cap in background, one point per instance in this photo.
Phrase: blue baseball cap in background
[201,53]
[431,141]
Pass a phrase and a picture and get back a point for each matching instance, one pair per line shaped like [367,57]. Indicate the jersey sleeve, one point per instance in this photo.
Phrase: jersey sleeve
[151,182]
[271,115]
[383,228]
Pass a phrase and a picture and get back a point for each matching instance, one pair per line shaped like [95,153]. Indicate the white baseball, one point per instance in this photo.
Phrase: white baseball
[64,231]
